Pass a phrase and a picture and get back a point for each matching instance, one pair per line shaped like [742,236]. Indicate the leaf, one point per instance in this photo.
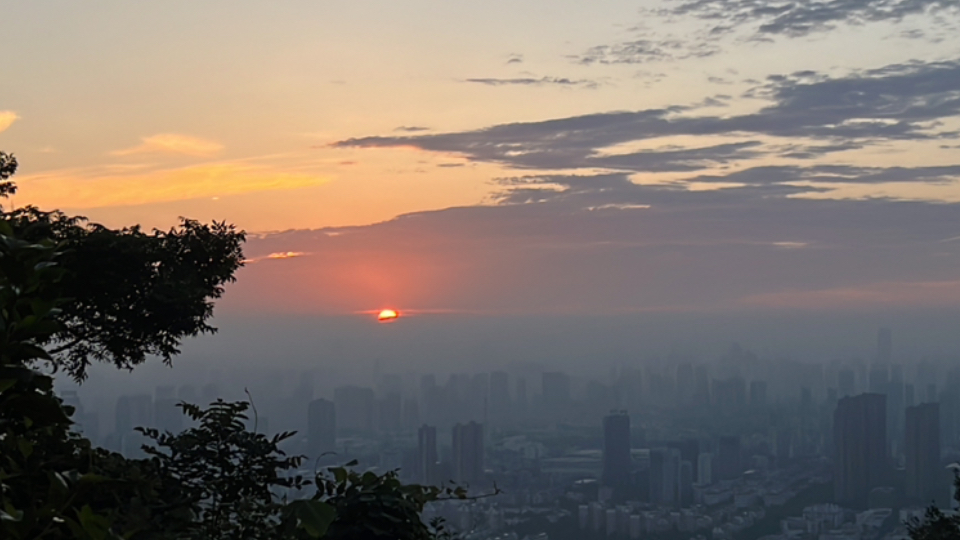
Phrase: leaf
[314,517]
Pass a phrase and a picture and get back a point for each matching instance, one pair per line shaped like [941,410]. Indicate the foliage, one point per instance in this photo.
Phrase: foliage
[52,483]
[8,166]
[937,525]
[379,506]
[131,293]
[231,476]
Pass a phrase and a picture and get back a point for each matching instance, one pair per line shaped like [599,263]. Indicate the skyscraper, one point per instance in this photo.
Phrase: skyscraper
[499,407]
[355,408]
[321,428]
[705,469]
[860,447]
[468,453]
[727,464]
[427,455]
[556,389]
[664,476]
[926,480]
[884,346]
[846,381]
[617,464]
[758,393]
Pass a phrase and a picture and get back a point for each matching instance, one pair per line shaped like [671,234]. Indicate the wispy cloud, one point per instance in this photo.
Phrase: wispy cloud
[172,143]
[101,187]
[7,118]
[279,255]
[534,81]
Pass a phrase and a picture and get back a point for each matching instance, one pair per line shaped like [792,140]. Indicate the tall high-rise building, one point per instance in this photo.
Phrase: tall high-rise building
[411,413]
[521,400]
[390,411]
[758,393]
[860,447]
[879,378]
[664,476]
[705,469]
[499,401]
[556,389]
[846,382]
[926,480]
[689,451]
[701,396]
[617,463]
[727,464]
[884,346]
[685,483]
[321,428]
[133,412]
[166,415]
[468,453]
[686,383]
[355,408]
[427,456]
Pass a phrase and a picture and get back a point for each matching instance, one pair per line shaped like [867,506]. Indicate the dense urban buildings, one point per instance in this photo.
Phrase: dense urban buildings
[707,450]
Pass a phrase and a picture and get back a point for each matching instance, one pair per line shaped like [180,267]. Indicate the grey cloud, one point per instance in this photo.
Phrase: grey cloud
[411,129]
[897,102]
[646,50]
[802,17]
[531,81]
[705,249]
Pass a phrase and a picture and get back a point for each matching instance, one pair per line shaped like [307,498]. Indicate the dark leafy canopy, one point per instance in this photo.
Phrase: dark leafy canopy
[52,483]
[229,476]
[8,166]
[936,524]
[131,293]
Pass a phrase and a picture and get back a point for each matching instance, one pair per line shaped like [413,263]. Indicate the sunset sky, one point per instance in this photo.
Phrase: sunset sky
[511,158]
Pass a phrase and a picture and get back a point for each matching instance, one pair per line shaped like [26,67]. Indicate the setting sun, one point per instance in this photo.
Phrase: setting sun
[388,315]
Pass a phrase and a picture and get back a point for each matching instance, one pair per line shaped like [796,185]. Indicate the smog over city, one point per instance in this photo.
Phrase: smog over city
[529,270]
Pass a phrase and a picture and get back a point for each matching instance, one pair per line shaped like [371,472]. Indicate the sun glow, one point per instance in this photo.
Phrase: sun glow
[388,315]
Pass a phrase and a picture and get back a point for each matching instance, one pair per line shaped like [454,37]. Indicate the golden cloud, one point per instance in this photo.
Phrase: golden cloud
[172,143]
[7,118]
[276,256]
[110,186]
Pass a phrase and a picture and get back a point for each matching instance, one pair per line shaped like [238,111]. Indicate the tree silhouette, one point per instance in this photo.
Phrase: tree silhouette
[131,293]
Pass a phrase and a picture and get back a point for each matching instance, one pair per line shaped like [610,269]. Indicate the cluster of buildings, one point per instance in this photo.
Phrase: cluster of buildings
[665,448]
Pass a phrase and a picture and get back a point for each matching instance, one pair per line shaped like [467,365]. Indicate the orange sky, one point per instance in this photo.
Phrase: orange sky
[568,157]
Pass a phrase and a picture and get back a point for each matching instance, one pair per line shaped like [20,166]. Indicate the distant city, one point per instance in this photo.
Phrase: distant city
[737,447]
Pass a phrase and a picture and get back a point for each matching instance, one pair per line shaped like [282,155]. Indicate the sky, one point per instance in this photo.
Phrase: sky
[718,158]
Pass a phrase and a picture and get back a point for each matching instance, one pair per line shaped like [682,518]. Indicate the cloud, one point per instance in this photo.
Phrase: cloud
[172,143]
[101,187]
[515,59]
[690,29]
[897,102]
[280,255]
[411,129]
[606,245]
[644,51]
[530,81]
[7,118]
[802,17]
